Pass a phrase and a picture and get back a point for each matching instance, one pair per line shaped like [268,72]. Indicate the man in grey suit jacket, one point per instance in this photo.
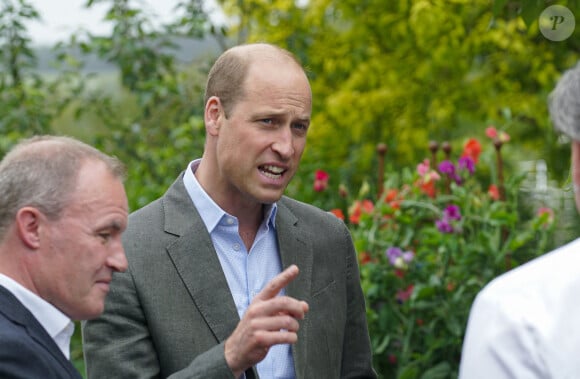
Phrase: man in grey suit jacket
[62,210]
[206,294]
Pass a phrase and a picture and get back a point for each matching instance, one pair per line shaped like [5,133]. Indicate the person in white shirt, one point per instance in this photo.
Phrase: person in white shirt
[63,208]
[522,325]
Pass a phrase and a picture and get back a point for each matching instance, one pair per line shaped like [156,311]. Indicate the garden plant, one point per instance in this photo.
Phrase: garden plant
[431,239]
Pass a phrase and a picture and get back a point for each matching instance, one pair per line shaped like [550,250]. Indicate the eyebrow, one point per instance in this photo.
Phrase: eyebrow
[115,225]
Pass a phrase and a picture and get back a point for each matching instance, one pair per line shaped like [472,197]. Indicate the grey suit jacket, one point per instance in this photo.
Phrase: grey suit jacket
[171,312]
[26,349]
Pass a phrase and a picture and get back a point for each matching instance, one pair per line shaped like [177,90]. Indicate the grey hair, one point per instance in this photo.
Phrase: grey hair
[564,103]
[42,171]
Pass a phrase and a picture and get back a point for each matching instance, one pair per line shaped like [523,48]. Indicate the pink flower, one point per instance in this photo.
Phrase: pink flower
[404,295]
[546,215]
[423,168]
[491,132]
[320,180]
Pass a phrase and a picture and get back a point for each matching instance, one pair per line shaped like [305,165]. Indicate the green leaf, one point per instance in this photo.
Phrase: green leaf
[440,371]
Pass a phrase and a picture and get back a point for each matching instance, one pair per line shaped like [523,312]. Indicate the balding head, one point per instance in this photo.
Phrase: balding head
[227,76]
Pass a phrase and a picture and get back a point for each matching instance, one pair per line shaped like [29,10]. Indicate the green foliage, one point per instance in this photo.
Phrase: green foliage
[409,71]
[401,72]
[29,102]
[426,246]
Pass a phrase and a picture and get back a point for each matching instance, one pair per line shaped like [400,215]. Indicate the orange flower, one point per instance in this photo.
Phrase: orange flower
[358,208]
[493,192]
[427,187]
[338,213]
[364,258]
[472,149]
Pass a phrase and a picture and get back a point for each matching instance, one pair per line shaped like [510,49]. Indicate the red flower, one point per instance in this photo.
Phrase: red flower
[472,149]
[320,180]
[338,213]
[493,192]
[364,257]
[404,295]
[392,359]
[358,208]
[399,273]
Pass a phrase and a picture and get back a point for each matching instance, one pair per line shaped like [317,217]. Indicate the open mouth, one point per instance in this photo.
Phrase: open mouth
[272,172]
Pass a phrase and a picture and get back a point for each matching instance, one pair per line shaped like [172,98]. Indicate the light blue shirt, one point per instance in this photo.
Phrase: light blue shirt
[246,272]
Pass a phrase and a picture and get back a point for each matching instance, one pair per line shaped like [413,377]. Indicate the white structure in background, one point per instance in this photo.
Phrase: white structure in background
[543,192]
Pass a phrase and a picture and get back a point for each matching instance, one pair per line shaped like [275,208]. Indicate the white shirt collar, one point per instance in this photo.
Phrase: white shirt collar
[56,323]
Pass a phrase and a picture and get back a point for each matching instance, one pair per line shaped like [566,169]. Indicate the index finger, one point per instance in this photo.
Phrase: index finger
[278,282]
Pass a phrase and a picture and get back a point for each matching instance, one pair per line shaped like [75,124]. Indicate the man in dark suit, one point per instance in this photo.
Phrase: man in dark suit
[62,210]
[227,277]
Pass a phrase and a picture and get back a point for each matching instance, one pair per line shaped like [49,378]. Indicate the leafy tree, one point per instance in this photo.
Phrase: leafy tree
[29,104]
[410,71]
[157,126]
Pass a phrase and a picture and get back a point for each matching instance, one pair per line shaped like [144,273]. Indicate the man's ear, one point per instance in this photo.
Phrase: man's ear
[213,115]
[28,220]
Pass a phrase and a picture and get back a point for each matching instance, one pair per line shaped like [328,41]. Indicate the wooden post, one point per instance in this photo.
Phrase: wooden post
[381,150]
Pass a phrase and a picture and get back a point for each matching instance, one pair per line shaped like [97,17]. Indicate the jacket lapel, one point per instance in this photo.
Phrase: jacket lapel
[196,262]
[198,266]
[19,314]
[295,249]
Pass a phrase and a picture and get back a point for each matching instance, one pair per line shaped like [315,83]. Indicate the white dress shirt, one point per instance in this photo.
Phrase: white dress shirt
[523,324]
[56,323]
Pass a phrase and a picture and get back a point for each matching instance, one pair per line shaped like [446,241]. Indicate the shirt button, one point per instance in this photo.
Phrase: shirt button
[230,221]
[236,246]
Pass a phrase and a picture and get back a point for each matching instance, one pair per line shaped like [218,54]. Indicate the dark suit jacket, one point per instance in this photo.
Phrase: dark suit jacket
[26,349]
[171,312]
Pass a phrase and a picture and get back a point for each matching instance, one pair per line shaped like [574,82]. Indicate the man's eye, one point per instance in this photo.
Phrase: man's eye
[105,236]
[300,127]
[268,121]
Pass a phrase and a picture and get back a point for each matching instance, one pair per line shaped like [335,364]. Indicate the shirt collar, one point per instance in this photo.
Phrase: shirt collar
[58,326]
[210,212]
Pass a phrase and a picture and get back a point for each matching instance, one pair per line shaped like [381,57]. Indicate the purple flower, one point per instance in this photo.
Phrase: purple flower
[408,256]
[393,253]
[466,163]
[398,257]
[447,167]
[452,212]
[444,226]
